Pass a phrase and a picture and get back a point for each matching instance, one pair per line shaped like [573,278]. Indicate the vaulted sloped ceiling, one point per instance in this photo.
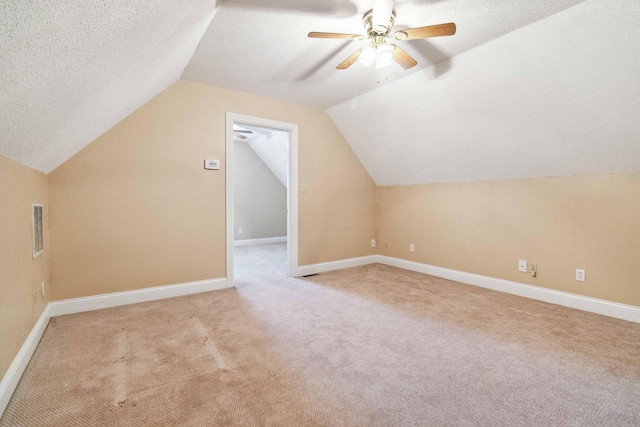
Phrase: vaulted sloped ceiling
[261,47]
[70,70]
[273,149]
[534,88]
[558,97]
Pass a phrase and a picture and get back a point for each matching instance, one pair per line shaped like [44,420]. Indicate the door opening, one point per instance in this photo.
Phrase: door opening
[276,145]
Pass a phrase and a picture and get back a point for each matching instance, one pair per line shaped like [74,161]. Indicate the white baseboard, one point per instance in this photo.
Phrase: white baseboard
[114,299]
[76,305]
[96,302]
[16,369]
[263,241]
[305,270]
[594,305]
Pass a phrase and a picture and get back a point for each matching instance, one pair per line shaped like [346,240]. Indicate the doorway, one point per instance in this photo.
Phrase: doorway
[250,125]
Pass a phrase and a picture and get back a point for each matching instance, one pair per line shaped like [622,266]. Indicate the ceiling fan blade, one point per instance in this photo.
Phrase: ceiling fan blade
[242,131]
[349,61]
[382,10]
[238,135]
[426,32]
[403,58]
[320,35]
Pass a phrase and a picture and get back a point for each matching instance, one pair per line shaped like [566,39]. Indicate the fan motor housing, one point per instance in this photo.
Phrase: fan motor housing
[367,20]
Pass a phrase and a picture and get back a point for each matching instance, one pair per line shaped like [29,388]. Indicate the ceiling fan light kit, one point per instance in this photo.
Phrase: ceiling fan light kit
[382,56]
[378,23]
[385,54]
[367,56]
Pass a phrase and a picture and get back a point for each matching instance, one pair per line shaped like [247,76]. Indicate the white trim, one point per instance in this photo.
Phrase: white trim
[96,302]
[262,241]
[305,270]
[16,369]
[292,187]
[229,196]
[58,308]
[292,203]
[594,305]
[114,299]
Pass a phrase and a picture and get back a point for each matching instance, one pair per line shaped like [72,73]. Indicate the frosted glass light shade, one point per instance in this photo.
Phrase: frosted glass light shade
[367,57]
[385,54]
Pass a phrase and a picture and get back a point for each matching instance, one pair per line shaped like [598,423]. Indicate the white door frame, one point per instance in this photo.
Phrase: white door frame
[292,187]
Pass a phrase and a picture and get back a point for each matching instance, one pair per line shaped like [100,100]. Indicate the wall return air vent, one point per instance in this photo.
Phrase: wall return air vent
[38,231]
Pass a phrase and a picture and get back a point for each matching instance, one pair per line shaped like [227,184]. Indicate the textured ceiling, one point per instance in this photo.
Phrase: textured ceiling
[70,70]
[559,97]
[262,47]
[535,88]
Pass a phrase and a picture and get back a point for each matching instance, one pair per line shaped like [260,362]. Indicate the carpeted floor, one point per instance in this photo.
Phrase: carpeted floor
[367,346]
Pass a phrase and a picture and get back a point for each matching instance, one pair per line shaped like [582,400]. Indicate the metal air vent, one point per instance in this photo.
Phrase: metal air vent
[38,231]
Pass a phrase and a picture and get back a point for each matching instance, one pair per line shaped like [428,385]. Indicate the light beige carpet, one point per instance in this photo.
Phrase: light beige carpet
[369,346]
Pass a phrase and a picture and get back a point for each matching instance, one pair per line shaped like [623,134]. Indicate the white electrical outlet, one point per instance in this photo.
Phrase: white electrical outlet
[522,266]
[373,243]
[42,287]
[302,188]
[239,230]
[411,247]
[580,275]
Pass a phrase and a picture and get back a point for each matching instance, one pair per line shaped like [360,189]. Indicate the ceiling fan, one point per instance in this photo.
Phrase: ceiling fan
[378,23]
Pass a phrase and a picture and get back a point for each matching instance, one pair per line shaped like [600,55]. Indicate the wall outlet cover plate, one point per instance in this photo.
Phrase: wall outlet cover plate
[522,266]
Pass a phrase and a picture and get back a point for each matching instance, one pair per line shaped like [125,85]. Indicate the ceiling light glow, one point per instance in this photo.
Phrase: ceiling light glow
[367,56]
[385,54]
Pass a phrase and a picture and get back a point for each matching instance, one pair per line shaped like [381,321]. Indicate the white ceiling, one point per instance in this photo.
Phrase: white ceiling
[270,145]
[261,47]
[535,87]
[273,150]
[71,70]
[559,97]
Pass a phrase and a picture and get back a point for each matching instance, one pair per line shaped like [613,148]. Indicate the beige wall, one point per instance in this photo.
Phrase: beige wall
[20,273]
[259,198]
[136,208]
[589,222]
